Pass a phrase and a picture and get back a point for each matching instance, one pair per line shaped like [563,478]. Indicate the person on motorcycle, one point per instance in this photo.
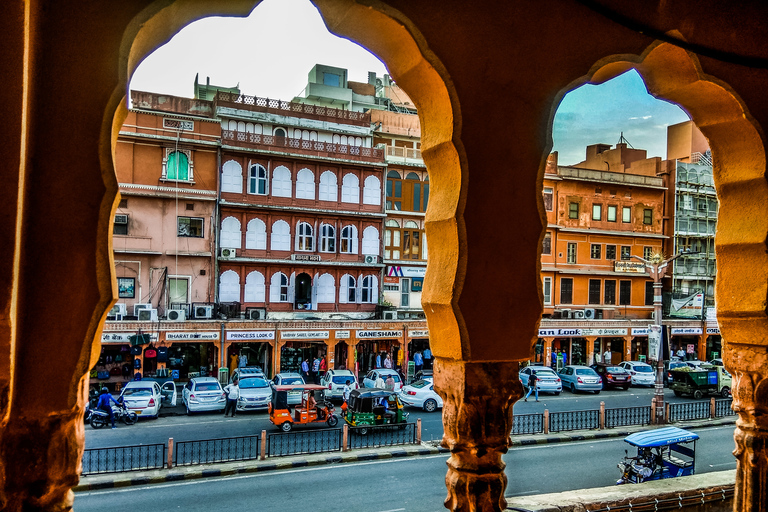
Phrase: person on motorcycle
[105,406]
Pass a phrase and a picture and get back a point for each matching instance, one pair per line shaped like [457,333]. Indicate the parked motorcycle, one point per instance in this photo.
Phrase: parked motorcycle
[99,418]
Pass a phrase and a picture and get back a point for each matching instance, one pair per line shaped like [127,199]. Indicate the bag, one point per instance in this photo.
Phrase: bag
[136,350]
[103,374]
[150,353]
[137,364]
[116,371]
[162,354]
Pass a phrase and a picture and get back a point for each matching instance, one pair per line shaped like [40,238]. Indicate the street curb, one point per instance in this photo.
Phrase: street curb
[136,478]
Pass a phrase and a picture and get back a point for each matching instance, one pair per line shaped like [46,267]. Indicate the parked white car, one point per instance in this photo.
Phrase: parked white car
[145,397]
[255,393]
[335,380]
[642,374]
[421,393]
[370,378]
[203,394]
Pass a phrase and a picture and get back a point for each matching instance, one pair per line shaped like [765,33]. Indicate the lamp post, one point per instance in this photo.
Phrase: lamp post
[657,268]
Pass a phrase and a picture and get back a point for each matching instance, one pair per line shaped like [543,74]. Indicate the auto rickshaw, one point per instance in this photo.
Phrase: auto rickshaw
[365,408]
[661,453]
[312,409]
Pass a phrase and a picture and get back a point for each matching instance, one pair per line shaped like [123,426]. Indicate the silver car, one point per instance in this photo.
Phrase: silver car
[255,393]
[581,378]
[290,378]
[203,394]
[548,380]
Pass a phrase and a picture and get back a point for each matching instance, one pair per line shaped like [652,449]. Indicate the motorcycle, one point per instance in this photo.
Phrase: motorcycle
[99,418]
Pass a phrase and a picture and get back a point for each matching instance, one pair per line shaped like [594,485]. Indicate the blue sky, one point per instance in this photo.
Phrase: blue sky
[270,53]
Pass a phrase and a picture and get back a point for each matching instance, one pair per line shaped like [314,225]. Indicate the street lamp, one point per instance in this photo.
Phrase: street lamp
[657,268]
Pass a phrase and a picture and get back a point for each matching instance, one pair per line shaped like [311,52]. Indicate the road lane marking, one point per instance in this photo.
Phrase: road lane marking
[537,491]
[393,510]
[723,464]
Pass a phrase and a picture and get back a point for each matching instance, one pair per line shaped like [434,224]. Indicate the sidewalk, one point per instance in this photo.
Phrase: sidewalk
[130,478]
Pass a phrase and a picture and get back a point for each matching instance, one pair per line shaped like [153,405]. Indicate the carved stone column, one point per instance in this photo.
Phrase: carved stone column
[477,421]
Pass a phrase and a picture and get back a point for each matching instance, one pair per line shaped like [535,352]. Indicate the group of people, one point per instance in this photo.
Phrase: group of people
[311,372]
[388,384]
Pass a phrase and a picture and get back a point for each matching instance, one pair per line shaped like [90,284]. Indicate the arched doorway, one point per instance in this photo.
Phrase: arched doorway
[303,292]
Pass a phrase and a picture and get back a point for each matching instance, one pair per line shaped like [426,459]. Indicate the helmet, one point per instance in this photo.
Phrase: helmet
[104,390]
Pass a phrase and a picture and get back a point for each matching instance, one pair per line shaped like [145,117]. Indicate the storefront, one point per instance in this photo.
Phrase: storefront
[250,348]
[373,343]
[342,351]
[118,361]
[689,340]
[714,344]
[296,346]
[639,345]
[191,354]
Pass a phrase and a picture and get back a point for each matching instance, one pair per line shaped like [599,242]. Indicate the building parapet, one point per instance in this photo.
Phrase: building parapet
[592,175]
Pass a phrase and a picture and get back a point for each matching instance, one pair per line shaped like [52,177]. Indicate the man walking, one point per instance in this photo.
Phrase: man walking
[427,358]
[316,370]
[418,362]
[305,370]
[532,385]
[232,391]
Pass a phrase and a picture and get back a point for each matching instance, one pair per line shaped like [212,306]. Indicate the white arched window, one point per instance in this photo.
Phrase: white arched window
[326,289]
[255,288]
[232,177]
[369,290]
[329,187]
[305,239]
[350,189]
[278,288]
[229,286]
[305,184]
[327,238]
[256,235]
[281,182]
[371,241]
[347,290]
[281,236]
[230,233]
[348,240]
[232,125]
[372,190]
[257,180]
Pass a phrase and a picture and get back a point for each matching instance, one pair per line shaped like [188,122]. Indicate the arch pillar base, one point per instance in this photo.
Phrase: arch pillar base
[477,422]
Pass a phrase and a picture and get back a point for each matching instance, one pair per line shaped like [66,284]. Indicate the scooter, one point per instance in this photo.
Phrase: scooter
[99,418]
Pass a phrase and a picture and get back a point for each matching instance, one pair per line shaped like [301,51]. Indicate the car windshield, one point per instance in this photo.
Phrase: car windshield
[615,369]
[208,386]
[545,372]
[643,369]
[385,376]
[137,392]
[584,371]
[253,382]
[419,384]
[342,379]
[291,380]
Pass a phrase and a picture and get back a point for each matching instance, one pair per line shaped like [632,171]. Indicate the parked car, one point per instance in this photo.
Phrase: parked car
[145,397]
[421,394]
[370,378]
[642,374]
[203,394]
[286,379]
[247,371]
[335,380]
[255,393]
[613,376]
[549,382]
[580,378]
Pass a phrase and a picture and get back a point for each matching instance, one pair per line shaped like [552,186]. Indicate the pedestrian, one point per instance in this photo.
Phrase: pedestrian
[389,384]
[681,353]
[345,391]
[315,370]
[388,362]
[305,370]
[533,385]
[607,355]
[104,404]
[565,358]
[323,366]
[418,362]
[379,383]
[554,359]
[378,360]
[427,358]
[232,392]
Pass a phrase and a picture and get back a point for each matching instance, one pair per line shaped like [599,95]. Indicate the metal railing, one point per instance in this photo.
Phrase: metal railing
[125,458]
[304,442]
[228,449]
[724,408]
[689,411]
[528,424]
[382,435]
[574,420]
[625,416]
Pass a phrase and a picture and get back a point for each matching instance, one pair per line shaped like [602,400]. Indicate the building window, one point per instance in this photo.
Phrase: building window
[647,216]
[595,251]
[392,240]
[609,292]
[566,290]
[326,289]
[256,235]
[368,290]
[120,227]
[571,255]
[347,290]
[647,252]
[372,191]
[232,177]
[278,288]
[191,227]
[350,189]
[649,293]
[229,286]
[610,252]
[327,238]
[230,236]
[255,287]
[594,291]
[348,240]
[611,214]
[597,212]
[370,241]
[625,293]
[177,166]
[280,238]
[547,285]
[305,184]
[394,191]
[626,214]
[331,80]
[281,182]
[178,290]
[257,180]
[305,237]
[573,210]
[546,246]
[405,293]
[626,252]
[548,198]
[329,189]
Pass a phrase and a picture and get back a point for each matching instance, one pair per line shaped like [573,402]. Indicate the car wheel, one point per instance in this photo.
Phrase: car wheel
[131,418]
[286,426]
[573,388]
[625,388]
[430,405]
[725,392]
[698,395]
[597,392]
[363,431]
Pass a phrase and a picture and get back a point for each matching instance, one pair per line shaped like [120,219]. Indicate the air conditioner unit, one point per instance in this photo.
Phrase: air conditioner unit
[227,253]
[118,309]
[139,307]
[371,258]
[590,314]
[203,312]
[177,315]
[390,315]
[121,219]
[147,315]
[578,313]
[256,314]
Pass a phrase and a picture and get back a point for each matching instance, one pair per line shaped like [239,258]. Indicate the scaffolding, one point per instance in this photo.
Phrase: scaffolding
[696,209]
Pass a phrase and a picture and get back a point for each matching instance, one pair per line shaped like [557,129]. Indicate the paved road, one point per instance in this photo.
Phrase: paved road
[173,422]
[395,485]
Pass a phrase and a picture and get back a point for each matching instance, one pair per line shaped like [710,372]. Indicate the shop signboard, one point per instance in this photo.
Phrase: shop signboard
[192,336]
[391,280]
[639,331]
[419,334]
[342,335]
[654,341]
[688,307]
[304,335]
[123,337]
[686,330]
[713,330]
[603,332]
[634,267]
[250,335]
[306,257]
[397,271]
[361,335]
[559,333]
[417,283]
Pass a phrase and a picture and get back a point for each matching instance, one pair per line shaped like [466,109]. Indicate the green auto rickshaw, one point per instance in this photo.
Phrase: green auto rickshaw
[366,408]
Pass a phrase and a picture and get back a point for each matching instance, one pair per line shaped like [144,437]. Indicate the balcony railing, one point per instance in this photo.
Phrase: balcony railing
[302,146]
[289,108]
[399,152]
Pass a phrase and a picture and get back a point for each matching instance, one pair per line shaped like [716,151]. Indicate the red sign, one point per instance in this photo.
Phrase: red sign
[391,280]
